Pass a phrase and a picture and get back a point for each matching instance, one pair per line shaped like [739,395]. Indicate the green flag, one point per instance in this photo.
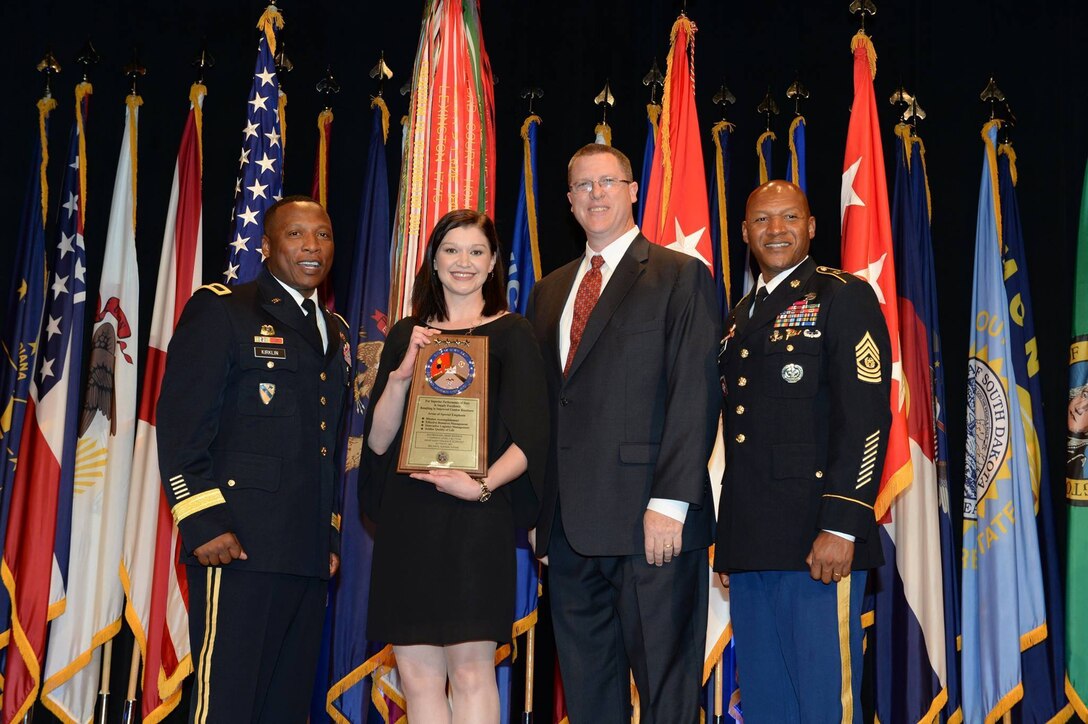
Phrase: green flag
[1076,480]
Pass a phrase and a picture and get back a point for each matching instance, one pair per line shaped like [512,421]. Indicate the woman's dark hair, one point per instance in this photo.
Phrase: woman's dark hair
[428,297]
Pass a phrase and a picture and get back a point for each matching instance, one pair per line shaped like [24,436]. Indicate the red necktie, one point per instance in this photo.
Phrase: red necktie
[588,292]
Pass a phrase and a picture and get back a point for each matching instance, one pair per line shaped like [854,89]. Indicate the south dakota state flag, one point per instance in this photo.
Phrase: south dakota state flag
[1003,604]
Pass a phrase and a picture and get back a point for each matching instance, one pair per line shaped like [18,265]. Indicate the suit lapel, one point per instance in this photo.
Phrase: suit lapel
[623,278]
[552,310]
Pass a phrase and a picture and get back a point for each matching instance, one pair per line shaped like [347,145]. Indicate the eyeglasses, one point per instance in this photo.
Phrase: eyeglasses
[607,184]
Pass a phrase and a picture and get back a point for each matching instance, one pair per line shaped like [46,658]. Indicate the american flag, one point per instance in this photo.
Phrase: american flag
[260,166]
[43,478]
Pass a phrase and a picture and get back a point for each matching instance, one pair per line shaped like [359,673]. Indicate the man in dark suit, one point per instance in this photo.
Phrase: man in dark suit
[629,334]
[248,424]
[805,376]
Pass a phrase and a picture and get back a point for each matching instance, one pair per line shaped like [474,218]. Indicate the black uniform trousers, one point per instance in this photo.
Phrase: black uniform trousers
[255,639]
[616,609]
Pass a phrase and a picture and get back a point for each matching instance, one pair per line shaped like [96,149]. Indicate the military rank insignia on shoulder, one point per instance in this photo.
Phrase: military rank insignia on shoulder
[216,288]
[839,274]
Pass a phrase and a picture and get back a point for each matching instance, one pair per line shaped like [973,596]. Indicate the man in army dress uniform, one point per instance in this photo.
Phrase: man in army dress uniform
[805,382]
[248,423]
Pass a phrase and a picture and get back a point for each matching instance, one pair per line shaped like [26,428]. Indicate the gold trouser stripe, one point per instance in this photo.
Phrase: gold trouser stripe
[197,503]
[211,618]
[842,590]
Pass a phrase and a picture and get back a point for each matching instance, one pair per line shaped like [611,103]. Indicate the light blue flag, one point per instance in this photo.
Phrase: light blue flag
[524,267]
[1003,607]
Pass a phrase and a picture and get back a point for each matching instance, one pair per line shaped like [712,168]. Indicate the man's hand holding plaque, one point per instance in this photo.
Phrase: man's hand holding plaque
[446,417]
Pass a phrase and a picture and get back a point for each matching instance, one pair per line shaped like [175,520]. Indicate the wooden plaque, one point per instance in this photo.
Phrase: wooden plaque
[446,421]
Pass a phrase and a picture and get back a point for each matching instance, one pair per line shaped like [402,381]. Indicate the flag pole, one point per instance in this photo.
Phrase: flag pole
[128,714]
[719,672]
[104,689]
[530,665]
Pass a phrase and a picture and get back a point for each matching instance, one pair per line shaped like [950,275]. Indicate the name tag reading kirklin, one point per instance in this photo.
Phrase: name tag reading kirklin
[446,421]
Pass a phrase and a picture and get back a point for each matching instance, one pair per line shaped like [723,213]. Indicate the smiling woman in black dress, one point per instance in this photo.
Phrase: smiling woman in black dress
[443,576]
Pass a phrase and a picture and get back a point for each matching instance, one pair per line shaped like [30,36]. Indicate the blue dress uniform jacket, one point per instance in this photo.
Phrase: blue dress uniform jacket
[805,385]
[248,427]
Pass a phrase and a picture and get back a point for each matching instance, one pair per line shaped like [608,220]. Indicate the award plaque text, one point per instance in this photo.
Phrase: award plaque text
[446,419]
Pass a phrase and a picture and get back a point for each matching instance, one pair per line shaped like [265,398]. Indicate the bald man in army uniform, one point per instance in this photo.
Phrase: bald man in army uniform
[248,424]
[805,368]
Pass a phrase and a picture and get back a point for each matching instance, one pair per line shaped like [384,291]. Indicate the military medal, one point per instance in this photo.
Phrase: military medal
[792,373]
[799,314]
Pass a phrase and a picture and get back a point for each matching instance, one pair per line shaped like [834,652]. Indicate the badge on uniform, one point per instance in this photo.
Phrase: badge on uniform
[801,313]
[813,333]
[777,336]
[867,355]
[267,391]
[267,330]
[792,373]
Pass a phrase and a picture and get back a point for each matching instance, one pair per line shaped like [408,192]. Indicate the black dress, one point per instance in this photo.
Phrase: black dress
[444,569]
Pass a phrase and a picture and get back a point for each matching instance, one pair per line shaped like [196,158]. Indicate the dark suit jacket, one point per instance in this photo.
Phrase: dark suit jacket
[248,427]
[635,417]
[806,416]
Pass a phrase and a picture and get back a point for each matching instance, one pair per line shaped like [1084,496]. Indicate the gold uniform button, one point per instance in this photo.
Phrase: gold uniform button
[819,473]
[323,425]
[324,377]
[789,347]
[231,483]
[324,450]
[740,437]
[742,381]
[271,364]
[740,409]
[323,400]
[744,353]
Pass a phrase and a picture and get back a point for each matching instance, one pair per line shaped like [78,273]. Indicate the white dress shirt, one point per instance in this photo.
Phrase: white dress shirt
[299,298]
[612,254]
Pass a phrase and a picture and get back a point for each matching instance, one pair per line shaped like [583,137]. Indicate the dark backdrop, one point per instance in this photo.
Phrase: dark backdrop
[944,52]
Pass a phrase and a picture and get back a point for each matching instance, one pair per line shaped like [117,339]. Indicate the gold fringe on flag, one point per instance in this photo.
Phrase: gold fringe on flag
[132,102]
[197,91]
[903,130]
[604,132]
[1006,149]
[991,156]
[82,90]
[45,106]
[682,23]
[378,102]
[270,21]
[861,39]
[530,203]
[796,166]
[764,172]
[324,118]
[283,122]
[723,214]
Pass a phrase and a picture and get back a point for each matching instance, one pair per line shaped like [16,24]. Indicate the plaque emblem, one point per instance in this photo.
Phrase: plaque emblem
[450,371]
[267,391]
[792,373]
